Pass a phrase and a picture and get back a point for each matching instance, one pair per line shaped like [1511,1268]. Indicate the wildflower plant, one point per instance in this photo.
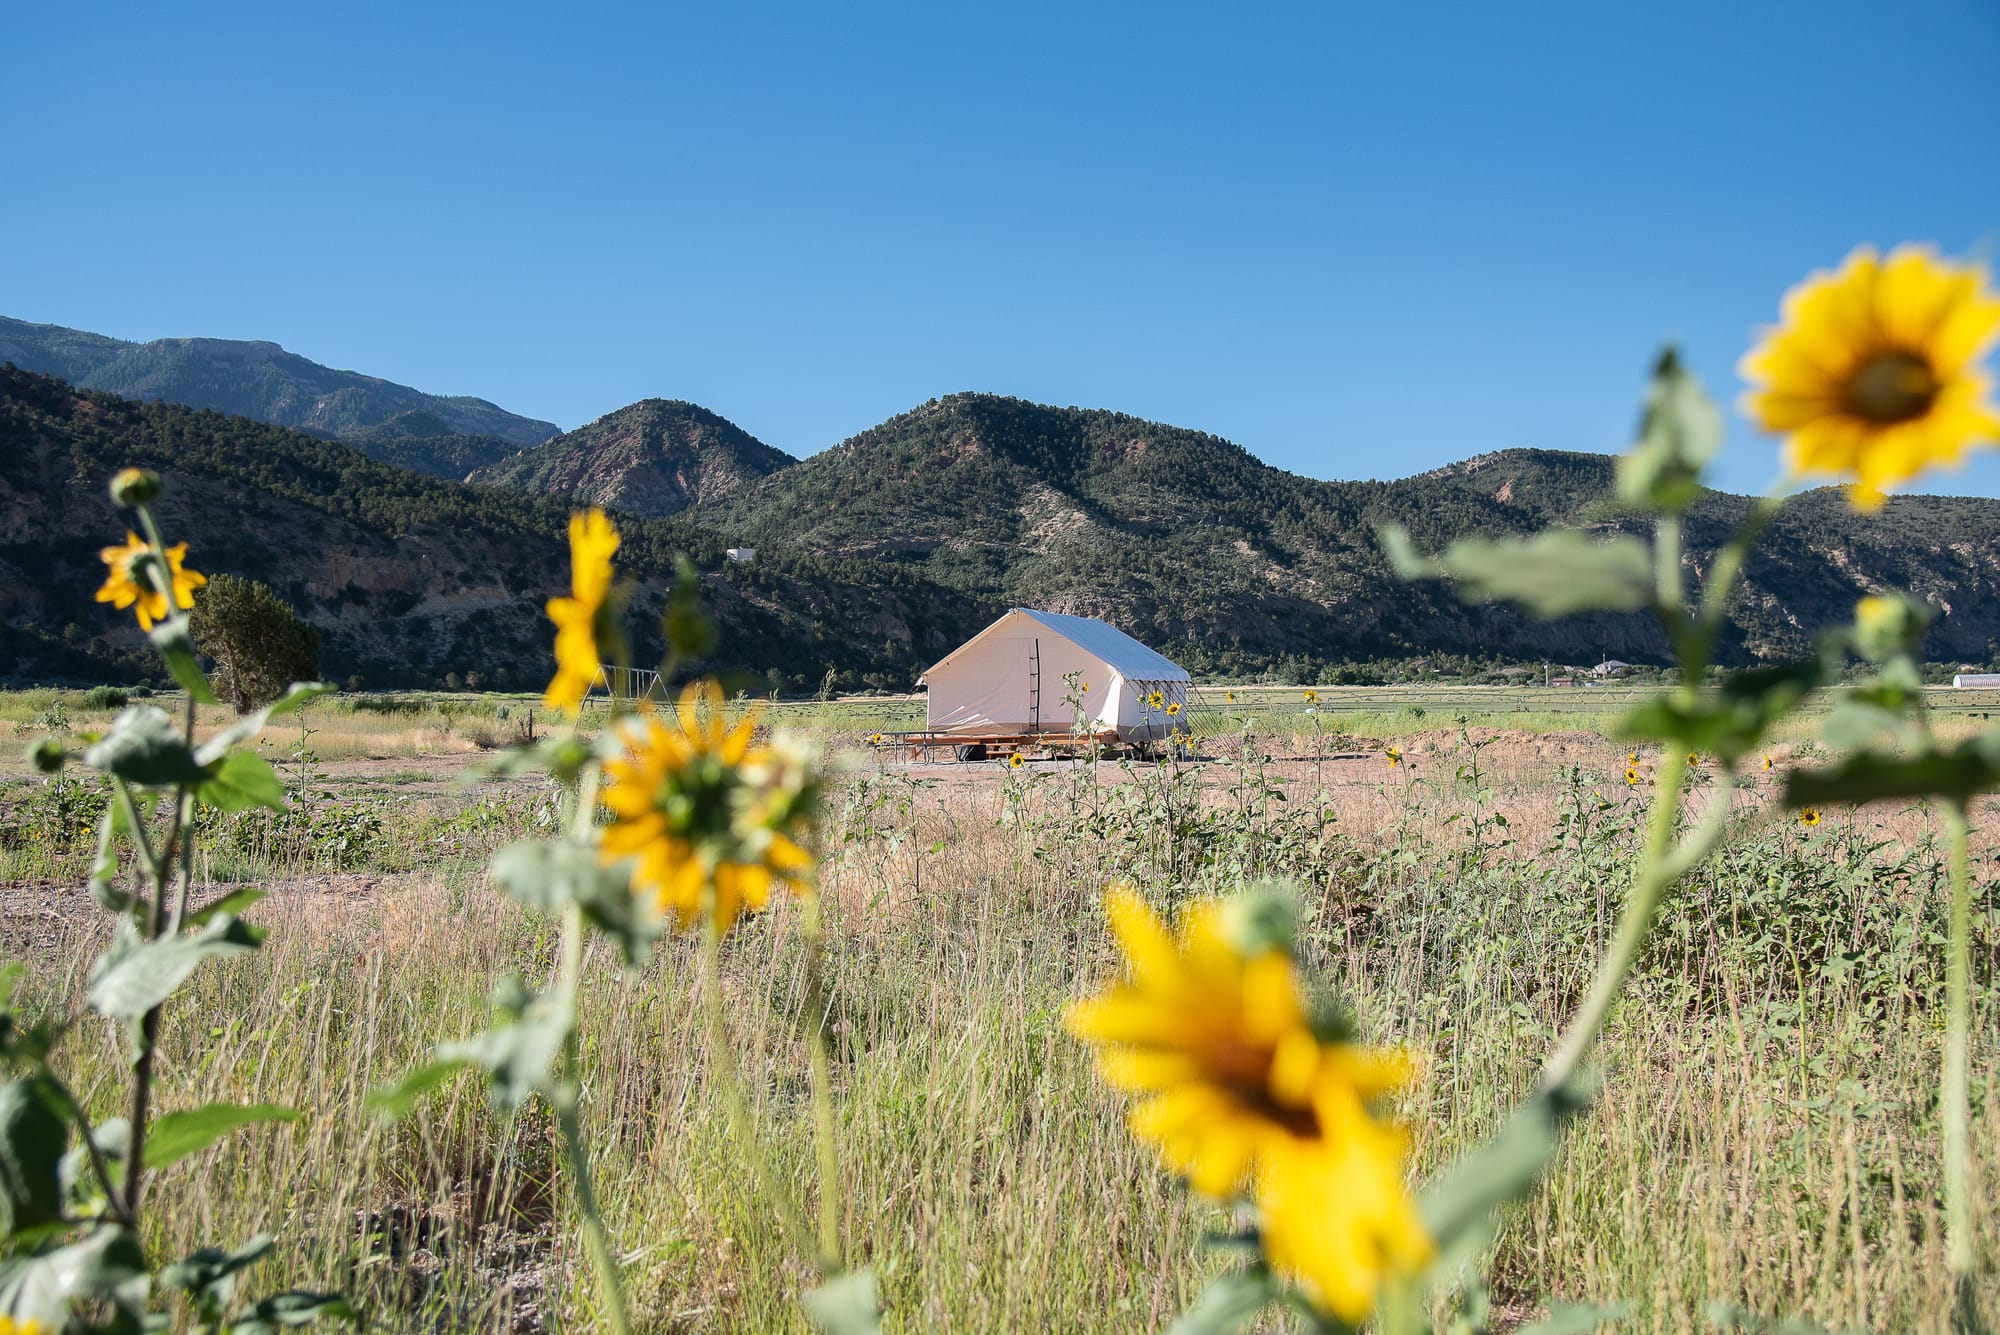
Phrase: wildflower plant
[73,1219]
[706,824]
[1872,378]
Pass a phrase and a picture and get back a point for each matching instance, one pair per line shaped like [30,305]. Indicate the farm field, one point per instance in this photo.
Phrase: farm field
[1768,1134]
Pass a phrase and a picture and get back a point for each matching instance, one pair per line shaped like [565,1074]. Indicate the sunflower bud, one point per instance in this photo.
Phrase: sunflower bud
[135,486]
[1888,626]
[47,756]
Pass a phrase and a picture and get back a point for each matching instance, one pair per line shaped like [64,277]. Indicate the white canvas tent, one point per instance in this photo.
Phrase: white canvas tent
[1011,678]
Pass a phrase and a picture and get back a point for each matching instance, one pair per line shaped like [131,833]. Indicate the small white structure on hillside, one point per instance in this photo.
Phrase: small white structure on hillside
[1011,678]
[1977,680]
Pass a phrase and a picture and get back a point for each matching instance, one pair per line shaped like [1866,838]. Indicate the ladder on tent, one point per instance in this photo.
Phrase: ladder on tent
[1035,687]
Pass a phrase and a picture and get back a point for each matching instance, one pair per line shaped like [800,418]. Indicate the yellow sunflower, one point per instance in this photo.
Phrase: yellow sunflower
[1874,374]
[1230,696]
[1809,817]
[1154,700]
[1631,778]
[1395,757]
[1312,697]
[21,1326]
[134,580]
[592,540]
[1218,1044]
[1174,709]
[1016,760]
[1631,757]
[1336,1217]
[1694,759]
[875,739]
[1767,764]
[697,809]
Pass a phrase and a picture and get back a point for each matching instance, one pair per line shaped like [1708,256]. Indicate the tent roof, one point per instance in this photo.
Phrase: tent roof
[1119,651]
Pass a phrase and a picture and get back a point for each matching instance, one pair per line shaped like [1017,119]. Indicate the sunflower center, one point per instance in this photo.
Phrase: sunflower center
[1892,387]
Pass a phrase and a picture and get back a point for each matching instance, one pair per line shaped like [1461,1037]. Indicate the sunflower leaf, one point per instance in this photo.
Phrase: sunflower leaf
[1678,434]
[845,1305]
[1229,1303]
[176,648]
[1551,574]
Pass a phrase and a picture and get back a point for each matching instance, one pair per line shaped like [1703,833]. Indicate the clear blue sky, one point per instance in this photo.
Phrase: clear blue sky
[1360,239]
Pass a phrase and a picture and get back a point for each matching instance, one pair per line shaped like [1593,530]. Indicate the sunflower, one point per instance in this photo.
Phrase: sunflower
[1217,1040]
[1016,760]
[1631,757]
[21,1326]
[135,579]
[1873,375]
[1312,697]
[1174,709]
[1337,1219]
[697,809]
[1395,757]
[1631,778]
[1694,759]
[1083,688]
[580,617]
[874,739]
[1767,763]
[1230,696]
[1154,700]
[1809,816]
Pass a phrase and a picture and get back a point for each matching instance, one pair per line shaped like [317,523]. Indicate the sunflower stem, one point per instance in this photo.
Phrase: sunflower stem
[822,1082]
[1954,1095]
[729,1081]
[569,1086]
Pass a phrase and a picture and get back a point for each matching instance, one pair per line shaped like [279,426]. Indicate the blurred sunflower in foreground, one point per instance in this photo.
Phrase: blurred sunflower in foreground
[700,811]
[1873,376]
[1239,1086]
[580,618]
[136,581]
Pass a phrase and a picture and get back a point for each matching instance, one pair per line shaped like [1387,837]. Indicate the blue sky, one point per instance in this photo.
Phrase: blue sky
[1361,240]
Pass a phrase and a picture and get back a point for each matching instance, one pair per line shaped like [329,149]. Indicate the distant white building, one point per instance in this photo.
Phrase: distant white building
[742,555]
[1611,667]
[1981,680]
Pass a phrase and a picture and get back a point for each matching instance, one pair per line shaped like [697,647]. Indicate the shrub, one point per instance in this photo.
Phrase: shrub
[258,643]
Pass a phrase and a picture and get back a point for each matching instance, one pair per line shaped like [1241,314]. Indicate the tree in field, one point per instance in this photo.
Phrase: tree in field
[258,643]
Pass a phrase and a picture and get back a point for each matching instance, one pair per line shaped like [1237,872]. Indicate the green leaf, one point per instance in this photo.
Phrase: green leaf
[242,780]
[1678,435]
[176,649]
[34,1132]
[298,1308]
[145,748]
[1229,1303]
[83,1194]
[135,975]
[550,874]
[41,1284]
[111,826]
[296,697]
[1458,1208]
[845,1304]
[209,1275]
[1551,574]
[1955,773]
[690,631]
[1728,722]
[1576,1318]
[174,1136]
[394,1101]
[232,903]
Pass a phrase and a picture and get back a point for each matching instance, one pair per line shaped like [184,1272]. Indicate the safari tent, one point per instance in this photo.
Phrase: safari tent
[1012,678]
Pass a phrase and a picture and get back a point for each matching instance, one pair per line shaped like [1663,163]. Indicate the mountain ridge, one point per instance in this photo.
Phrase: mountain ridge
[249,377]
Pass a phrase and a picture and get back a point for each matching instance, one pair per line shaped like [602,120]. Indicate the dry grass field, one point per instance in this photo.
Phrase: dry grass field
[1768,1135]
